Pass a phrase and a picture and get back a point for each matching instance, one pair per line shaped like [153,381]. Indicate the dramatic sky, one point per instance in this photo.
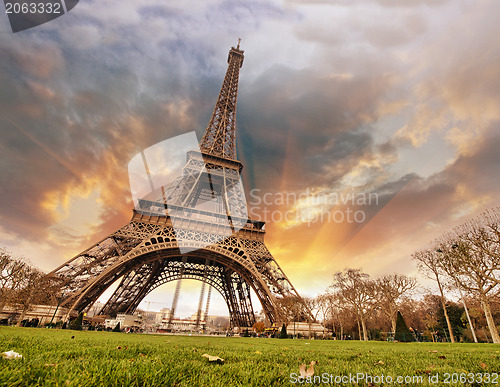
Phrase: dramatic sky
[392,103]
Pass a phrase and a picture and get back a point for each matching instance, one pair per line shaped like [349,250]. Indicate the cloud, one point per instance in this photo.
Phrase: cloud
[391,97]
[461,83]
[385,3]
[326,120]
[82,97]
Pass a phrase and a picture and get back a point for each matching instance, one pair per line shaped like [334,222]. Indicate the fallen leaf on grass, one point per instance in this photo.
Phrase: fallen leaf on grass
[433,351]
[308,343]
[419,372]
[258,352]
[213,358]
[309,372]
[51,365]
[441,357]
[11,355]
[483,366]
[379,362]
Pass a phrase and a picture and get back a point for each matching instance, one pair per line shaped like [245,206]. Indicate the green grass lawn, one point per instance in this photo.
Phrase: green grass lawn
[54,358]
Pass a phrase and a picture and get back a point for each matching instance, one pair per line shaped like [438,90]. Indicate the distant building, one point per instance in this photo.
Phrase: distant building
[148,317]
[303,328]
[125,320]
[95,309]
[194,316]
[165,313]
[10,314]
[179,324]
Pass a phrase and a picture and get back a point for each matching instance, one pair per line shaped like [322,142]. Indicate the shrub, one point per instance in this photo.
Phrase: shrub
[283,334]
[402,332]
[77,325]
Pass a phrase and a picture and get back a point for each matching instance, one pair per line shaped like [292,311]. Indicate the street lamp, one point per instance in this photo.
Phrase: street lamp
[294,313]
[57,307]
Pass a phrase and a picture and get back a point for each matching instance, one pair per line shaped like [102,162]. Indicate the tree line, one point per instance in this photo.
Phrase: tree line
[23,285]
[465,261]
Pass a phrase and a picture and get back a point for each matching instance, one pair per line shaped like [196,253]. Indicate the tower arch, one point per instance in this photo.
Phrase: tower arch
[174,235]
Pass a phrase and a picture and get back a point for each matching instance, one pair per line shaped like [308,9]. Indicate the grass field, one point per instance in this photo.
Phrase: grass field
[54,358]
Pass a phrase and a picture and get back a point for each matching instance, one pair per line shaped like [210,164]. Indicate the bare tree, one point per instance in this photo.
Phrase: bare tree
[12,272]
[473,269]
[30,292]
[314,305]
[346,316]
[336,313]
[310,305]
[23,285]
[482,234]
[221,322]
[356,289]
[390,289]
[429,262]
[427,312]
[326,308]
[295,309]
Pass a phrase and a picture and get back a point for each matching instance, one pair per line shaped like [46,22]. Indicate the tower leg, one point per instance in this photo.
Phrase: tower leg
[132,289]
[200,303]
[177,292]
[208,304]
[202,293]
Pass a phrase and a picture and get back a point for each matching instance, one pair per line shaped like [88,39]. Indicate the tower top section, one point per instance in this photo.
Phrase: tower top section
[220,135]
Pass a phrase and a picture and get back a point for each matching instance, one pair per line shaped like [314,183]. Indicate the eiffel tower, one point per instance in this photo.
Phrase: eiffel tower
[175,237]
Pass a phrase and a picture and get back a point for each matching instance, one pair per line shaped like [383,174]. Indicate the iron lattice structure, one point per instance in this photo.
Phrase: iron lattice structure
[225,248]
[220,136]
